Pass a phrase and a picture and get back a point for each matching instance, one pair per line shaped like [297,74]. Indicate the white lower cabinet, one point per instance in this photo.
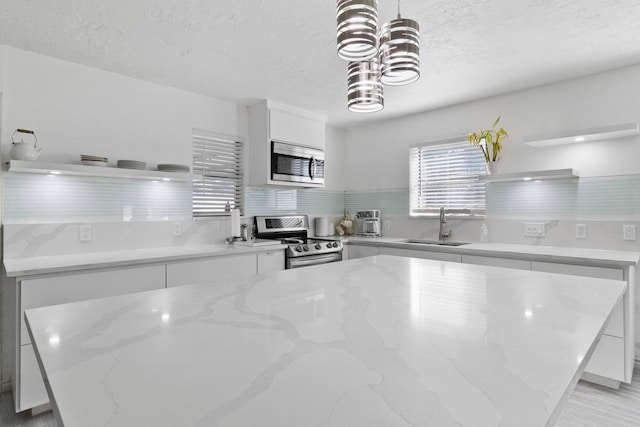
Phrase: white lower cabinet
[210,269]
[360,251]
[610,359]
[414,253]
[269,262]
[40,291]
[31,391]
[615,327]
[603,360]
[29,388]
[519,264]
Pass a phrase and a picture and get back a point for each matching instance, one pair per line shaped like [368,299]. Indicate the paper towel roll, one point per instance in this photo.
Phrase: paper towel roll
[235,222]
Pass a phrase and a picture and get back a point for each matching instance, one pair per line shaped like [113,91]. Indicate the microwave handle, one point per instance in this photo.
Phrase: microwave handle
[312,167]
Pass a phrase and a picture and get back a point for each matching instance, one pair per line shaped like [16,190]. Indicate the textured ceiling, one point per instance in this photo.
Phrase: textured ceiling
[284,50]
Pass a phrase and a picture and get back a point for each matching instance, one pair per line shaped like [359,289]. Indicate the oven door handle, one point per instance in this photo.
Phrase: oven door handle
[312,167]
[315,259]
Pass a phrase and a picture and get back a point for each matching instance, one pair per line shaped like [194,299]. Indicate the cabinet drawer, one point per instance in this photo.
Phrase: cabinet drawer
[608,358]
[210,270]
[578,270]
[79,287]
[31,391]
[519,264]
[438,256]
[357,251]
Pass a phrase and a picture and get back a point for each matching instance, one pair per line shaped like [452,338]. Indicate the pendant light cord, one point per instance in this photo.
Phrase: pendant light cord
[398,9]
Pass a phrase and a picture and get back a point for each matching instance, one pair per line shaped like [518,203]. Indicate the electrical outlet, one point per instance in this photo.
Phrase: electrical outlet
[581,231]
[177,229]
[85,233]
[629,232]
[386,224]
[534,229]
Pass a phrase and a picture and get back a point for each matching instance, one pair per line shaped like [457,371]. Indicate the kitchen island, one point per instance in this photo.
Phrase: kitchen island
[376,341]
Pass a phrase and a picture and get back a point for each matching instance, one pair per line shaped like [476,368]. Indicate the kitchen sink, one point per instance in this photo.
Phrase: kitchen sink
[435,242]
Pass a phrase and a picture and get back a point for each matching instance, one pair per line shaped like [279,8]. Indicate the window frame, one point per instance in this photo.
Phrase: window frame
[478,193]
[232,149]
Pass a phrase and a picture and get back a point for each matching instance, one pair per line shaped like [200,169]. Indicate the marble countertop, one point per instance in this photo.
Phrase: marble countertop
[63,263]
[59,263]
[510,250]
[377,341]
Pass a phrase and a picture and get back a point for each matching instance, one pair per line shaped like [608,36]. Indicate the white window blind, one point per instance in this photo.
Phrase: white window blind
[447,175]
[217,169]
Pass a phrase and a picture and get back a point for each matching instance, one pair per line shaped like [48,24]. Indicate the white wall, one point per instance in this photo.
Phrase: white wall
[602,99]
[336,159]
[598,100]
[81,110]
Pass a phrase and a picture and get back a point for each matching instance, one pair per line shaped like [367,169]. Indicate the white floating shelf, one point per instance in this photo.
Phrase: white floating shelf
[584,135]
[100,171]
[531,175]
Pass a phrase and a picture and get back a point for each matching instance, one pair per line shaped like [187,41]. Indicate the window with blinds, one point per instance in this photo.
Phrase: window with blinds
[217,170]
[447,175]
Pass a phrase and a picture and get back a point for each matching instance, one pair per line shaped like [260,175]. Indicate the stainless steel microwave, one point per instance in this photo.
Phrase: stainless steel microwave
[297,164]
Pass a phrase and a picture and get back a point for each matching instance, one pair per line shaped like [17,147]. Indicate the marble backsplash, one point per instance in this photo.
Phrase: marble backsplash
[49,239]
[600,234]
[32,240]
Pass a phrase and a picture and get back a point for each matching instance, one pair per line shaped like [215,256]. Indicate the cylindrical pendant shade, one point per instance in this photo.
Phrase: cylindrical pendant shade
[364,94]
[400,52]
[357,29]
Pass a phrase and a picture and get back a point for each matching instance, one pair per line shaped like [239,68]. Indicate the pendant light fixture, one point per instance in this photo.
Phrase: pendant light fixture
[364,94]
[391,57]
[400,51]
[357,29]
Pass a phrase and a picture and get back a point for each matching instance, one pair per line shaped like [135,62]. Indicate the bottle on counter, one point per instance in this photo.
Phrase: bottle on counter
[484,233]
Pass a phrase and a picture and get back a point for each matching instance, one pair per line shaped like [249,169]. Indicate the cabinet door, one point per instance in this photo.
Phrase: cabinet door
[519,264]
[289,127]
[210,269]
[41,292]
[357,251]
[62,289]
[414,253]
[31,391]
[270,261]
[607,358]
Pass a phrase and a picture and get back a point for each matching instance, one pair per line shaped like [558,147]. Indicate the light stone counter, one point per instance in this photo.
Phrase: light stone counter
[378,341]
[602,257]
[65,263]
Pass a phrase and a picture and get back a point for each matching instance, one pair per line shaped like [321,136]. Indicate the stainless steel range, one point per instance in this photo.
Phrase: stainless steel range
[293,230]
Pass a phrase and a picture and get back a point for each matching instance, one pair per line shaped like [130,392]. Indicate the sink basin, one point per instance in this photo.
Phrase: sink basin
[435,242]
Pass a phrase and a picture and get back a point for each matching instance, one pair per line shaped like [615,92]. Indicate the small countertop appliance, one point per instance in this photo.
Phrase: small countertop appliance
[368,223]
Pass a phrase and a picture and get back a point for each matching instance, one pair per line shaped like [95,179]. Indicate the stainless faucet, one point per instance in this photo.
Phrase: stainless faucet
[443,220]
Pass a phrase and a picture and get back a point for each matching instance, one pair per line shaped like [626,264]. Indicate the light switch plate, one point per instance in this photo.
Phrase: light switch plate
[386,224]
[581,231]
[534,229]
[629,232]
[85,233]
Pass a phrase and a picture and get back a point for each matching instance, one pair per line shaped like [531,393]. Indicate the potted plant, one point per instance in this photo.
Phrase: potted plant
[490,142]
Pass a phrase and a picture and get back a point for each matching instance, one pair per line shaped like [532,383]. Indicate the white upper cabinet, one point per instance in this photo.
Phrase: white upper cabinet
[296,128]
